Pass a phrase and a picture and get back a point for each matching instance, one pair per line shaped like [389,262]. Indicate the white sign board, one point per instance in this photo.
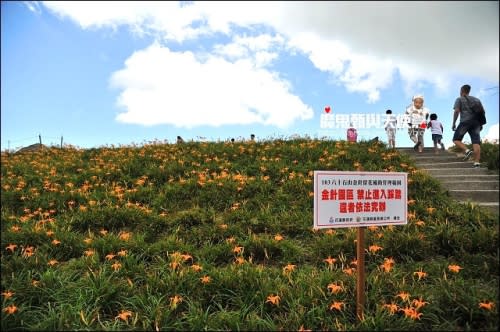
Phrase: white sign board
[359,199]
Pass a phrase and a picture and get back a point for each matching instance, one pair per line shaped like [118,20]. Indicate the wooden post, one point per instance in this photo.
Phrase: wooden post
[360,282]
[40,138]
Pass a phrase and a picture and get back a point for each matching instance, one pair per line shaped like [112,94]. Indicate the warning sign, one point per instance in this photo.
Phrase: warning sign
[359,199]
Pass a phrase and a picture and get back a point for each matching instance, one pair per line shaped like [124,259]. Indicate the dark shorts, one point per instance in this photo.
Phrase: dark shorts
[473,128]
[436,138]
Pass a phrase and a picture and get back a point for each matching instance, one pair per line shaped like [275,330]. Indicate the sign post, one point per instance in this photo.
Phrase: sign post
[360,281]
[360,199]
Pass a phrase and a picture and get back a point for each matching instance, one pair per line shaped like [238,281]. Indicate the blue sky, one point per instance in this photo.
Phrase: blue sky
[110,73]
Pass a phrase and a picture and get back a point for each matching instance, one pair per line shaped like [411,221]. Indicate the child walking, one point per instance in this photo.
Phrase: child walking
[437,132]
[390,128]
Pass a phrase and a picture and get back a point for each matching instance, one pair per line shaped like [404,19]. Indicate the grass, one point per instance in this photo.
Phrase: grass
[218,236]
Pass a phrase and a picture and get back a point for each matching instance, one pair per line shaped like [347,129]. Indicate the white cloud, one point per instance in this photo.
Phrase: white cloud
[263,49]
[451,37]
[33,6]
[361,44]
[164,87]
[492,135]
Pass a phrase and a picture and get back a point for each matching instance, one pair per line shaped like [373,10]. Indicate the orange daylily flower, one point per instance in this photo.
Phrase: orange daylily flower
[454,268]
[302,329]
[49,233]
[175,300]
[388,264]
[15,228]
[103,231]
[28,251]
[56,242]
[8,294]
[487,305]
[88,240]
[393,308]
[421,274]
[419,303]
[411,201]
[110,256]
[116,266]
[411,312]
[238,250]
[278,237]
[89,252]
[122,253]
[10,309]
[223,226]
[205,279]
[337,305]
[230,239]
[334,288]
[239,260]
[404,296]
[420,223]
[11,247]
[349,271]
[273,299]
[330,260]
[196,267]
[374,248]
[124,315]
[52,262]
[288,268]
[431,210]
[125,236]
[186,257]
[330,231]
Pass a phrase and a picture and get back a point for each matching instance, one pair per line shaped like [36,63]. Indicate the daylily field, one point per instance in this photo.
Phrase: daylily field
[219,236]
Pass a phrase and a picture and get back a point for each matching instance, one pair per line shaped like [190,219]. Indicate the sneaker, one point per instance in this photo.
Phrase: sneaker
[442,146]
[476,165]
[468,153]
[416,146]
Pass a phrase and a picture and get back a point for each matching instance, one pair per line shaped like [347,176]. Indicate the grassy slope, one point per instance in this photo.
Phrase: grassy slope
[199,235]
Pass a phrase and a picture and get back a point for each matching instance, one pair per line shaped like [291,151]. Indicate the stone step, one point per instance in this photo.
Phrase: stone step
[466,177]
[465,184]
[477,195]
[457,171]
[436,158]
[456,184]
[447,164]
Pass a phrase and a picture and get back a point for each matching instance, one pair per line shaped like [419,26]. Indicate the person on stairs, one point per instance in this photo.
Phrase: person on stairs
[417,115]
[468,124]
[390,128]
[437,132]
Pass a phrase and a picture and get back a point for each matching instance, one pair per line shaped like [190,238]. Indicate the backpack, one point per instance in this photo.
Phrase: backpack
[478,110]
[352,135]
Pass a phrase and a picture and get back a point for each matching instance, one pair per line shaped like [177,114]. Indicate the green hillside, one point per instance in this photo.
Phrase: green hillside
[218,236]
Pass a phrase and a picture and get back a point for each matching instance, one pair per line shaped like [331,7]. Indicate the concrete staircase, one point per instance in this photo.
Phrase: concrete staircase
[465,184]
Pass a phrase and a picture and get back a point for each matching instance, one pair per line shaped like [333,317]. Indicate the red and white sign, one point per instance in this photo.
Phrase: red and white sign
[359,199]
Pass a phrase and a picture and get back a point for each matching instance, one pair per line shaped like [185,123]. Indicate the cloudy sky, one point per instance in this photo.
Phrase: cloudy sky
[120,73]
